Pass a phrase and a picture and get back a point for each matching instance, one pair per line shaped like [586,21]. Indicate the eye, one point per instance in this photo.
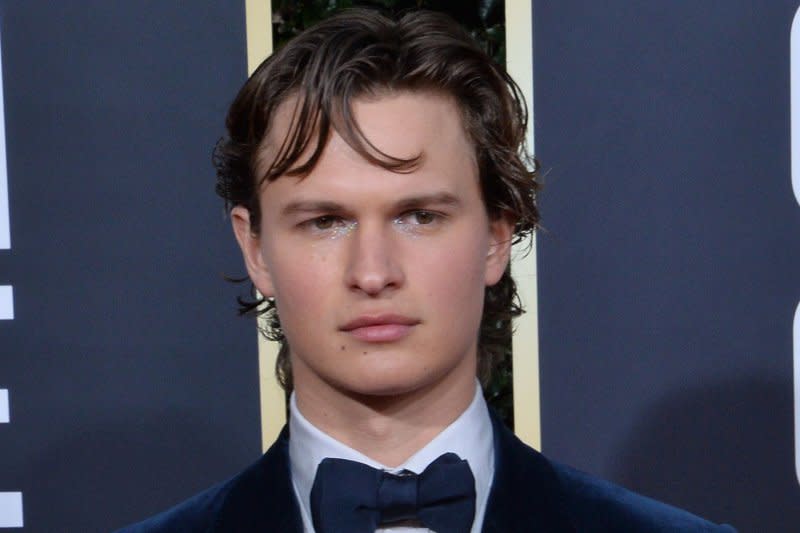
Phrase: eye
[324,222]
[419,217]
[327,226]
[420,220]
[423,217]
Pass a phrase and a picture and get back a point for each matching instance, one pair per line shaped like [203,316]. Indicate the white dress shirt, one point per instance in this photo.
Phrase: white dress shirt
[469,436]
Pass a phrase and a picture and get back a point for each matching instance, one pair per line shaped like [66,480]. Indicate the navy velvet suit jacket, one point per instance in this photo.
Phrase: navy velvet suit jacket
[530,494]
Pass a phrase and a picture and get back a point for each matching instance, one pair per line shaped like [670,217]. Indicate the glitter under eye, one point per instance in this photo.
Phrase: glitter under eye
[345,228]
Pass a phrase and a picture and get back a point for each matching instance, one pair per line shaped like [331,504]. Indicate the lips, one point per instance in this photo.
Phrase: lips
[380,328]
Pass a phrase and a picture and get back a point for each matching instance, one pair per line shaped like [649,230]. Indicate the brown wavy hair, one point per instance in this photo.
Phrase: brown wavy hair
[359,53]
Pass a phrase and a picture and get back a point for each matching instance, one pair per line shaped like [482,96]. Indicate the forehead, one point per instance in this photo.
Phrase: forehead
[398,124]
[408,125]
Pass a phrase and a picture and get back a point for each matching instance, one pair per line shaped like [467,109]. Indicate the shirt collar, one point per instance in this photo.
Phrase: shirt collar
[469,436]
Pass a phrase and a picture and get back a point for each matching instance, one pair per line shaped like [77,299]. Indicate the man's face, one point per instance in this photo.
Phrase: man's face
[379,276]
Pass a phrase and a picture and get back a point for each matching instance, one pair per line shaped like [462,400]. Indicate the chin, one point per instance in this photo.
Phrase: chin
[393,382]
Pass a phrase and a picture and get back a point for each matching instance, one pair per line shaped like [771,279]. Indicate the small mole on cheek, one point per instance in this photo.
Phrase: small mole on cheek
[363,353]
[341,347]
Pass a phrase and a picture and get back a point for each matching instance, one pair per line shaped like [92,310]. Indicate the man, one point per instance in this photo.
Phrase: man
[376,180]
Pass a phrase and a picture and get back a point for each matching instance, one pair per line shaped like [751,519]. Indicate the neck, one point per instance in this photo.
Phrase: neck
[387,428]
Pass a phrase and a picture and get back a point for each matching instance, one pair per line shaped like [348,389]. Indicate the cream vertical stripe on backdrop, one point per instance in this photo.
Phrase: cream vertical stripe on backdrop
[273,409]
[527,413]
[519,53]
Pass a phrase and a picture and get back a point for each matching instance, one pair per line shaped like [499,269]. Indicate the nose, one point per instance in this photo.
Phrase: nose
[374,265]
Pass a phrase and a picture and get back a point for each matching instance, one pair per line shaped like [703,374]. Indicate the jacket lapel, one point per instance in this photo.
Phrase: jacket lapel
[262,500]
[525,491]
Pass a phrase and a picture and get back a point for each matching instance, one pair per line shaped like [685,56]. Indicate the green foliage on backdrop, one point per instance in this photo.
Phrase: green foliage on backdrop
[485,20]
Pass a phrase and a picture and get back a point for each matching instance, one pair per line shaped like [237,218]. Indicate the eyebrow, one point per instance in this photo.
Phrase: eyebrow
[435,199]
[411,202]
[312,206]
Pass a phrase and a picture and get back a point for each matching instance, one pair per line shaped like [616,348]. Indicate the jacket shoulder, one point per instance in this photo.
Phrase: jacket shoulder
[598,505]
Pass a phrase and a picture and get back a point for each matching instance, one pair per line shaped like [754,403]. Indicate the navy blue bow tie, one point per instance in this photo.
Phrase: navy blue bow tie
[351,497]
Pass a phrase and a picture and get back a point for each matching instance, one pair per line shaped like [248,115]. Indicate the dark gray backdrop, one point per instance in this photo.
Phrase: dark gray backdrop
[132,383]
[669,271]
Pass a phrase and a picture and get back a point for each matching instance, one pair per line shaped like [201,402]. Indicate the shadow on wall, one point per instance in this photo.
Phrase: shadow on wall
[737,420]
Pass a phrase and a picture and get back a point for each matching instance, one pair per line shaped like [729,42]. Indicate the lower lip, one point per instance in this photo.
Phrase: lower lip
[381,332]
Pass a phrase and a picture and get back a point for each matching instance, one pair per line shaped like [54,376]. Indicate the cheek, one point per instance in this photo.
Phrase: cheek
[302,282]
[454,276]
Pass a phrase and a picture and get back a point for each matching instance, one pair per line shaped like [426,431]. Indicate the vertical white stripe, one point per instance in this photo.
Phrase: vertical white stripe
[5,416]
[10,509]
[6,302]
[794,74]
[797,392]
[5,230]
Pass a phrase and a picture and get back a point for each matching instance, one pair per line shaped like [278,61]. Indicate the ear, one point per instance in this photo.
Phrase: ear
[499,253]
[250,244]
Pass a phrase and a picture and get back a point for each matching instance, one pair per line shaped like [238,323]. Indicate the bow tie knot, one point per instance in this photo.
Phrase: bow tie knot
[352,497]
[398,497]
